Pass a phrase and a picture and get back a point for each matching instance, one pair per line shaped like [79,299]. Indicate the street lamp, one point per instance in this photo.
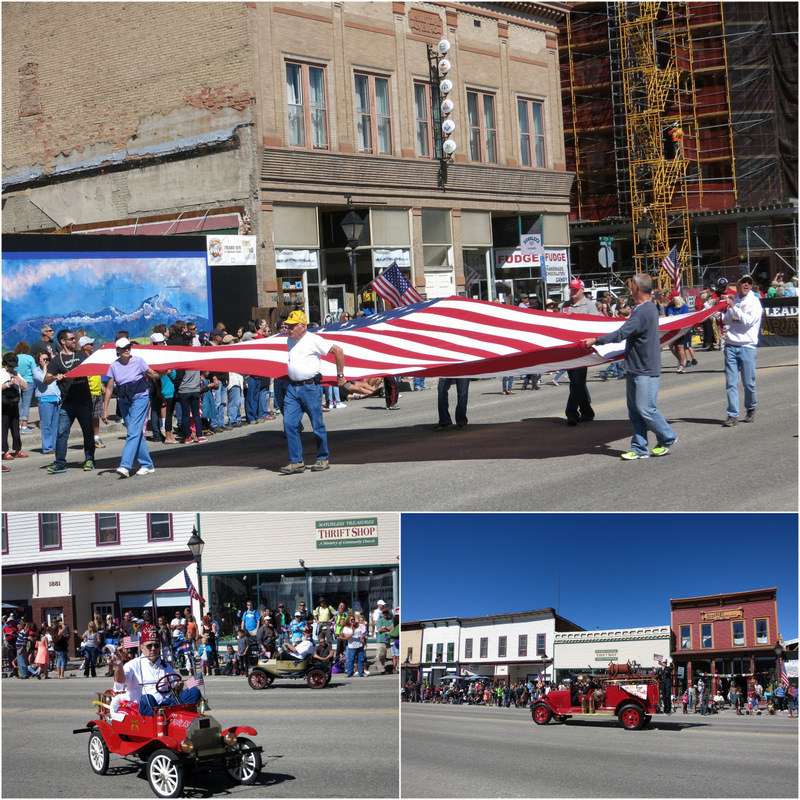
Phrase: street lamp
[352,225]
[196,545]
[778,653]
[643,231]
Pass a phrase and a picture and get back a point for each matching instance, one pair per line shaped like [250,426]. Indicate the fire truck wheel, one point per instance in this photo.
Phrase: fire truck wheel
[631,717]
[541,714]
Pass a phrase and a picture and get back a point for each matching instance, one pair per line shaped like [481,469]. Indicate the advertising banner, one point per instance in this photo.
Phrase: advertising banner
[382,259]
[231,250]
[297,260]
[779,323]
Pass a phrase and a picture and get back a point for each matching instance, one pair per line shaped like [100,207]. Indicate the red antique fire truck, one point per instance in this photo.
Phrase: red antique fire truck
[625,692]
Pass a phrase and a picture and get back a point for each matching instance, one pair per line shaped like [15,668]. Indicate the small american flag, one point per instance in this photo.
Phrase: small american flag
[130,641]
[394,289]
[784,676]
[673,268]
[194,680]
[191,590]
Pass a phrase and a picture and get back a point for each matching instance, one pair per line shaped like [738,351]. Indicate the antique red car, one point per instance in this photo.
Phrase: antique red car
[176,740]
[626,694]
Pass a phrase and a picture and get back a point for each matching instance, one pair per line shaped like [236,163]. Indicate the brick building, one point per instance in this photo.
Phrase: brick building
[216,117]
[728,635]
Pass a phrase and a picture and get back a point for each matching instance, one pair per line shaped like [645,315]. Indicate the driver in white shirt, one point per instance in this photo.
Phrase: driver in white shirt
[140,676]
[305,647]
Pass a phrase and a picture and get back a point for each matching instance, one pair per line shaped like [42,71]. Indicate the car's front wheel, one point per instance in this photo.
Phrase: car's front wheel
[249,766]
[98,752]
[165,774]
[541,714]
[258,679]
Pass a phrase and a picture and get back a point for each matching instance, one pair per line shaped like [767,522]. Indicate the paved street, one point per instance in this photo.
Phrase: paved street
[332,742]
[517,454]
[469,751]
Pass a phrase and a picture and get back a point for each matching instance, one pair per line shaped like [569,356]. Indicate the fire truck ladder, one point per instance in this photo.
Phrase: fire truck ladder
[652,92]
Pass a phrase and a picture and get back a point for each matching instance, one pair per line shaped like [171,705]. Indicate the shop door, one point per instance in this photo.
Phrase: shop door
[49,614]
[439,284]
[336,300]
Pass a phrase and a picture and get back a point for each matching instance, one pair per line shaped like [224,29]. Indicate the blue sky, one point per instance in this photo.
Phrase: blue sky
[617,570]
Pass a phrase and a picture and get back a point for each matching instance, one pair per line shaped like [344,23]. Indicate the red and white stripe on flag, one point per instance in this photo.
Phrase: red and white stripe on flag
[449,337]
[394,288]
[194,680]
[673,268]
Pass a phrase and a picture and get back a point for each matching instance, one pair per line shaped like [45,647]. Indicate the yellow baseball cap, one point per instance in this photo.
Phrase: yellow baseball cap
[296,317]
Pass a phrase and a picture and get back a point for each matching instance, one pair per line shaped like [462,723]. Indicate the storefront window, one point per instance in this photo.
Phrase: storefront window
[436,237]
[358,589]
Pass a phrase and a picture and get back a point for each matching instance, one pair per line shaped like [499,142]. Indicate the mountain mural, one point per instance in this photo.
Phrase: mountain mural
[104,324]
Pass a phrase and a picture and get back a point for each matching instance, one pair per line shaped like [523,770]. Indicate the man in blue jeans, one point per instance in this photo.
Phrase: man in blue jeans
[642,371]
[462,395]
[304,391]
[76,402]
[742,321]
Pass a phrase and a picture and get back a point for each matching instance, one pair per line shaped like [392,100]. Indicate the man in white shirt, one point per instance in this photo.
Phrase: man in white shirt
[376,615]
[305,647]
[304,391]
[742,322]
[140,676]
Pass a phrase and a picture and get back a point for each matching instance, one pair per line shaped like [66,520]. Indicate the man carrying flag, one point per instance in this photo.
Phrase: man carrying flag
[394,289]
[139,676]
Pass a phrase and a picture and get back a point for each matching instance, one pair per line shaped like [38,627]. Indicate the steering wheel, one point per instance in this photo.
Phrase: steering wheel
[166,683]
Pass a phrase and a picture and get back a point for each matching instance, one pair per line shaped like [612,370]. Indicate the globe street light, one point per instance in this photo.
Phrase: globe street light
[196,545]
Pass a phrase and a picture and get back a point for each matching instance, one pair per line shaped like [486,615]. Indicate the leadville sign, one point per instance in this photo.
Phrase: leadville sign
[711,616]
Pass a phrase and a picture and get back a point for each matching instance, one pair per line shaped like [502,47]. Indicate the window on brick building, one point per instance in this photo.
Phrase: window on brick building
[686,637]
[482,127]
[49,532]
[373,111]
[468,648]
[522,648]
[308,106]
[107,528]
[422,114]
[762,631]
[484,648]
[738,634]
[531,133]
[502,645]
[705,637]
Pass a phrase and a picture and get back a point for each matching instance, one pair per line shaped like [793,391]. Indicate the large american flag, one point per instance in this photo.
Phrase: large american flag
[784,676]
[193,593]
[673,268]
[450,337]
[394,288]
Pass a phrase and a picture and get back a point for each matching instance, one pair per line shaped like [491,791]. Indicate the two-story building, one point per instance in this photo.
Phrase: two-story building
[76,564]
[725,637]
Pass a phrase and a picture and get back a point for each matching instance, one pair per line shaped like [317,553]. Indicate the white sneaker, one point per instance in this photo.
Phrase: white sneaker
[341,405]
[146,470]
[124,472]
[366,672]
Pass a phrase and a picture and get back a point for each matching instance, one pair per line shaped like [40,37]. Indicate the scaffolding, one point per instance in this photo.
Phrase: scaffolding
[726,74]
